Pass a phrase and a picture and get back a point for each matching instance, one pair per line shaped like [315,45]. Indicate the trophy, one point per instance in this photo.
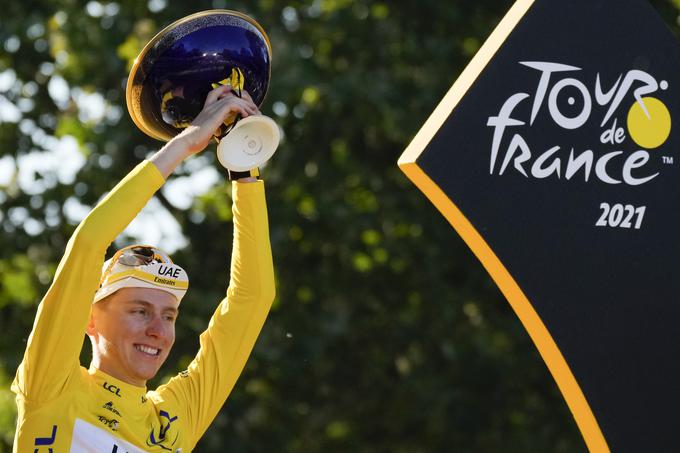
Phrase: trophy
[173,74]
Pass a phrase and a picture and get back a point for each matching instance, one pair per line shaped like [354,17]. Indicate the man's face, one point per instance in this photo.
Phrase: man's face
[133,330]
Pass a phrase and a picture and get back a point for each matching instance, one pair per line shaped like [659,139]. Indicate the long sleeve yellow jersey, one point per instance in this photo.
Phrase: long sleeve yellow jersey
[64,407]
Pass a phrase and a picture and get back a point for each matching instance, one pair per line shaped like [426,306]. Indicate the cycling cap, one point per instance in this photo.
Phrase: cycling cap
[142,266]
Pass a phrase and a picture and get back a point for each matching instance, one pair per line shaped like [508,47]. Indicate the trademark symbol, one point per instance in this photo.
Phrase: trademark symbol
[667,159]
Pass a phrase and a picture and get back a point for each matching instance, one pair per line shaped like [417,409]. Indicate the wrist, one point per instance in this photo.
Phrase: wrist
[186,142]
[249,179]
[170,156]
[251,175]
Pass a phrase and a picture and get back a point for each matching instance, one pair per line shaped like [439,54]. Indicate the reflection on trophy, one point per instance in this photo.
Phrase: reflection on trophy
[176,70]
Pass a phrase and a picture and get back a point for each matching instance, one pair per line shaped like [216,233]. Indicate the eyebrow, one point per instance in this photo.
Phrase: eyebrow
[150,305]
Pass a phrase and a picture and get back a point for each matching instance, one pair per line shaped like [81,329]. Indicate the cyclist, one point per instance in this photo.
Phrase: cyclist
[128,306]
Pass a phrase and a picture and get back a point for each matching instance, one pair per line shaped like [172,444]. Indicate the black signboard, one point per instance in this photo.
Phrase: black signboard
[555,157]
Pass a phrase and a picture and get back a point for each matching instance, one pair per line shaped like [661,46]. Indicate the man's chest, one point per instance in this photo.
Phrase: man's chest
[104,420]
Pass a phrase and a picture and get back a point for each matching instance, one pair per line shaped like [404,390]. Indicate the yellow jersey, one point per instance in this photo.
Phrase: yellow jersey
[64,407]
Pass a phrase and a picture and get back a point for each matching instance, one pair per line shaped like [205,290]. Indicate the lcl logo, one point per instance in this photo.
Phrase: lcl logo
[112,388]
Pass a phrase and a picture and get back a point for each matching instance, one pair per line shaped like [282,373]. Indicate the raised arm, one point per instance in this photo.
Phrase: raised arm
[236,324]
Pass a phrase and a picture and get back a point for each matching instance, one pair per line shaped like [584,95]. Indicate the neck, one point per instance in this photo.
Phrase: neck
[113,372]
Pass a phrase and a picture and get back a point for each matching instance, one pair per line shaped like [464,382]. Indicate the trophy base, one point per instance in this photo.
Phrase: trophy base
[251,143]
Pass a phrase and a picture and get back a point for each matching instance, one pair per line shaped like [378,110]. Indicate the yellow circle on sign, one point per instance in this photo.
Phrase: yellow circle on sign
[649,131]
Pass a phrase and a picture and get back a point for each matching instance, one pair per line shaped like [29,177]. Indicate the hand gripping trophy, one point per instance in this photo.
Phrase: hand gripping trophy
[176,70]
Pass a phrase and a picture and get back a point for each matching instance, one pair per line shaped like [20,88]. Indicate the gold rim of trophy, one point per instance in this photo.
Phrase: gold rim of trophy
[136,116]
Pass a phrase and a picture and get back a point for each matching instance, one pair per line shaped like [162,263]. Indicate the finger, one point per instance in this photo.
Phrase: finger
[227,106]
[251,105]
[252,108]
[256,108]
[216,94]
[246,95]
[241,103]
[227,94]
[236,108]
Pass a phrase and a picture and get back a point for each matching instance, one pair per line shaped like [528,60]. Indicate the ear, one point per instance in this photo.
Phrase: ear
[91,330]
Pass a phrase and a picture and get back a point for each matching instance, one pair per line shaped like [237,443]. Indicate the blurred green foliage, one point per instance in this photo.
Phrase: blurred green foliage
[387,335]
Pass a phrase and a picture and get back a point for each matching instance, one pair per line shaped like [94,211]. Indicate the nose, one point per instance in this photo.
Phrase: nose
[156,328]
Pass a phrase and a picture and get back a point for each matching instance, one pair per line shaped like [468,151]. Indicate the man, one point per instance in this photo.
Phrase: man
[128,310]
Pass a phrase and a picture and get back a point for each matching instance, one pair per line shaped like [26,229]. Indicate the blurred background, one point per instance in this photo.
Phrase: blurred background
[386,335]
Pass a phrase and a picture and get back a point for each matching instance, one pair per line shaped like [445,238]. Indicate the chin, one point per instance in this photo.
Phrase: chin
[143,373]
[147,374]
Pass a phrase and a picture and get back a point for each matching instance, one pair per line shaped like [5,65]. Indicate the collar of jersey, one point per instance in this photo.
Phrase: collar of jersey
[121,392]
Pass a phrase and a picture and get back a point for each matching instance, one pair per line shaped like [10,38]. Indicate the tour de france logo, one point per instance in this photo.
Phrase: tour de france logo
[626,110]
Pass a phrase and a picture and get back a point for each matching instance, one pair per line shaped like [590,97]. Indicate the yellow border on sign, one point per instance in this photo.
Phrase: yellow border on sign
[532,322]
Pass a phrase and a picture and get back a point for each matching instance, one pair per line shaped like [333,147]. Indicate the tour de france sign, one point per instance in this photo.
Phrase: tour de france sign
[555,157]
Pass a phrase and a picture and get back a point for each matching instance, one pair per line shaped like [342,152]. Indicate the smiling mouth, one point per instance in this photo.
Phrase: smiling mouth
[147,350]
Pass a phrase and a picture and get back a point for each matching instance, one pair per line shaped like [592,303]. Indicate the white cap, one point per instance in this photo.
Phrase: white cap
[160,273]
